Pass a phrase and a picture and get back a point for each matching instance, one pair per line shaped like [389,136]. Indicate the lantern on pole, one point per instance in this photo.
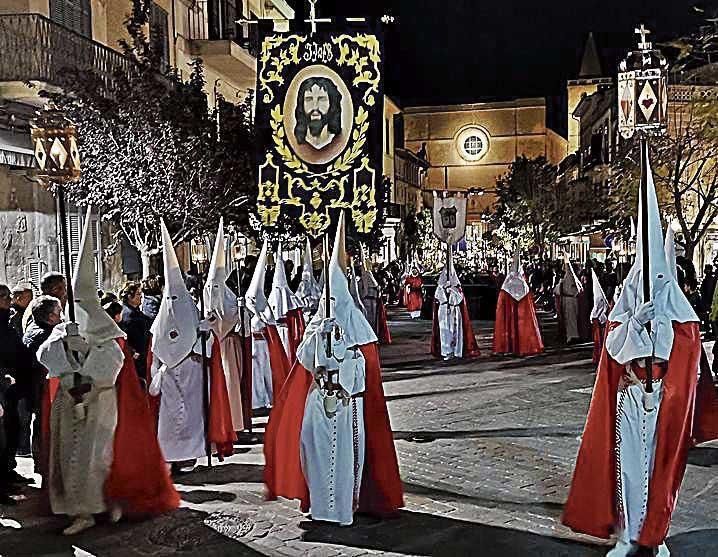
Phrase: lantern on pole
[643,109]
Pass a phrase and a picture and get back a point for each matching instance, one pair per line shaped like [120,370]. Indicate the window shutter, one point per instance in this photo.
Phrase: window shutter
[34,273]
[73,14]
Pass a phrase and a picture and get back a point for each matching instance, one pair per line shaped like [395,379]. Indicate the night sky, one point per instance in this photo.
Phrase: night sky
[454,51]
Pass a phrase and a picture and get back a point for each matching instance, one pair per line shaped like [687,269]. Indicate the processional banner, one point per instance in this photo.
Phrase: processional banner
[319,118]
[449,218]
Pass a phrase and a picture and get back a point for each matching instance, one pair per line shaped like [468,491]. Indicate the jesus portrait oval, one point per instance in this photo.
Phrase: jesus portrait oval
[318,114]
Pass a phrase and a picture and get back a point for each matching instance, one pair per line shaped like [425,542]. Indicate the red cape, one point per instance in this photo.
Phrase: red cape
[412,293]
[220,431]
[277,358]
[591,506]
[49,390]
[383,332]
[381,491]
[705,421]
[295,327]
[139,480]
[516,330]
[471,349]
[599,336]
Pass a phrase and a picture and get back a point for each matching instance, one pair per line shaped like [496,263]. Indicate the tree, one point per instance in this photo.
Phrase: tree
[685,169]
[152,150]
[526,202]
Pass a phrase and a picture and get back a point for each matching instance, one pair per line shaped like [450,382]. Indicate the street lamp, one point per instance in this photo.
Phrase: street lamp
[642,109]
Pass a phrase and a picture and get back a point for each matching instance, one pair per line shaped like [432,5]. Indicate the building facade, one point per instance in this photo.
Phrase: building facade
[41,38]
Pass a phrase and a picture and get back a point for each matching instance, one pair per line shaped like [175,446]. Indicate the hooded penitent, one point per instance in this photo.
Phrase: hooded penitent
[174,331]
[309,290]
[257,302]
[332,464]
[79,446]
[219,300]
[516,329]
[635,444]
[452,335]
[600,303]
[413,299]
[281,299]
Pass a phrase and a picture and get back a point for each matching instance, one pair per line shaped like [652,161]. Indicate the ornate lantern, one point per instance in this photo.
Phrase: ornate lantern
[642,90]
[54,139]
[199,253]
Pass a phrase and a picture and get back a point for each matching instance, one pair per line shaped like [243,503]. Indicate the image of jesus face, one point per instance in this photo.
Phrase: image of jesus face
[318,113]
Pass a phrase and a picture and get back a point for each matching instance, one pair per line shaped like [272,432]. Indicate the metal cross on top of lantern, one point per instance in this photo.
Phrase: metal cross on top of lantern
[643,108]
[642,90]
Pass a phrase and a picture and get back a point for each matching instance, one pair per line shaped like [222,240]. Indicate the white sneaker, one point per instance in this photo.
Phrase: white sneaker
[621,549]
[80,524]
[663,551]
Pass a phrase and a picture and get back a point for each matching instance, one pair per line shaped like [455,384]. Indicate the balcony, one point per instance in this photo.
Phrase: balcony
[225,45]
[36,49]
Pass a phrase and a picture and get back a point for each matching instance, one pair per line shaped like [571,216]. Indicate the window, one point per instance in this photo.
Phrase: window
[73,14]
[387,136]
[472,143]
[75,222]
[159,32]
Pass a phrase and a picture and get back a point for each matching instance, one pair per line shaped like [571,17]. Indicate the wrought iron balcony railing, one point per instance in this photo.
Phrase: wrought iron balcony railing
[34,48]
[216,20]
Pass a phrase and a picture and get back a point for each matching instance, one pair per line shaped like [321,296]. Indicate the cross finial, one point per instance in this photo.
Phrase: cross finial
[644,44]
[313,15]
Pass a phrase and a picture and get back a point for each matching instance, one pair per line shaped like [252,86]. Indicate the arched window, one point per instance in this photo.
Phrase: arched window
[73,14]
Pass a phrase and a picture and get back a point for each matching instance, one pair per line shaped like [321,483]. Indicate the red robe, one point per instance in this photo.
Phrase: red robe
[471,349]
[381,491]
[277,358]
[383,332]
[591,505]
[705,421]
[139,480]
[220,431]
[295,328]
[516,330]
[599,336]
[413,299]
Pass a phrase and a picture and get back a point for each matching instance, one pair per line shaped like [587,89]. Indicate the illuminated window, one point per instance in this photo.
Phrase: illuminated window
[472,143]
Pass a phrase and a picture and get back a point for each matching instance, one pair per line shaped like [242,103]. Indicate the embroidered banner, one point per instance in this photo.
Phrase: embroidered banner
[319,118]
[449,218]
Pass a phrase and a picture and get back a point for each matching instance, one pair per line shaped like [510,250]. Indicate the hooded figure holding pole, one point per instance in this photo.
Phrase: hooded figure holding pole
[516,330]
[328,440]
[286,308]
[634,447]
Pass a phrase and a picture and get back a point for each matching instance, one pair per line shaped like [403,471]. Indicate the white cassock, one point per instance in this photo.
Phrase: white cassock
[81,447]
[333,447]
[568,290]
[181,418]
[261,367]
[451,330]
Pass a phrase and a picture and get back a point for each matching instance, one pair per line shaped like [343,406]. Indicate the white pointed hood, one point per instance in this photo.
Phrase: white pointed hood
[309,290]
[600,303]
[174,331]
[219,301]
[669,249]
[569,283]
[367,276]
[356,330]
[256,300]
[281,299]
[670,302]
[515,284]
[450,272]
[94,325]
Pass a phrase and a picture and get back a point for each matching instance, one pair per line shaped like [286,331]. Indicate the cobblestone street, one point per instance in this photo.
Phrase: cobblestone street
[486,451]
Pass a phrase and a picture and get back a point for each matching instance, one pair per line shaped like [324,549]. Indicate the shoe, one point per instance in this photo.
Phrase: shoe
[621,549]
[80,524]
[115,514]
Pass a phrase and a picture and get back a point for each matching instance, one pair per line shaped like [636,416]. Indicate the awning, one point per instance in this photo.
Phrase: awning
[16,149]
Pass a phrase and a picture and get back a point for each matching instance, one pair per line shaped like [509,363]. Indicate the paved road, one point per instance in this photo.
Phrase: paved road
[486,452]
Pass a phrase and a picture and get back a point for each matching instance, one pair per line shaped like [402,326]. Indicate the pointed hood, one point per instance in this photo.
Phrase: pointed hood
[219,301]
[281,299]
[569,283]
[309,290]
[174,331]
[257,302]
[94,324]
[600,303]
[515,284]
[670,302]
[355,328]
[367,276]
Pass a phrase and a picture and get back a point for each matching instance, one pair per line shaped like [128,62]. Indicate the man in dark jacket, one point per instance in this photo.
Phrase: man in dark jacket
[46,313]
[136,325]
[14,367]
